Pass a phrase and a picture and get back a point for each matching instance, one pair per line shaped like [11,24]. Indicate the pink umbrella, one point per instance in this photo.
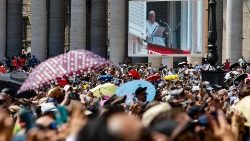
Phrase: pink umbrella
[70,64]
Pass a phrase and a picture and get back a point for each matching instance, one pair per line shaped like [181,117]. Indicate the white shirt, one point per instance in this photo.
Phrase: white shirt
[150,38]
[151,27]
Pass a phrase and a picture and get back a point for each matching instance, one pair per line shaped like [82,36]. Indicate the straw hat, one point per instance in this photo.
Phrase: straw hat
[151,113]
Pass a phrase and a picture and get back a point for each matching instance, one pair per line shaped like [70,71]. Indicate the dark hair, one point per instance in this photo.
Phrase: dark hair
[95,130]
[111,110]
[168,115]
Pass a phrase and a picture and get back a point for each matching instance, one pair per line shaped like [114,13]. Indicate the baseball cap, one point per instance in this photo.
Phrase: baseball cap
[48,107]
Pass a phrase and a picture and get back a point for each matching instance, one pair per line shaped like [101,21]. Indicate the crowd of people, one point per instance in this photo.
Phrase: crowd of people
[184,107]
[16,63]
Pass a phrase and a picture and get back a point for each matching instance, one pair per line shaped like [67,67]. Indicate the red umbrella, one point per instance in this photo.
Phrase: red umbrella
[154,77]
[70,64]
[134,74]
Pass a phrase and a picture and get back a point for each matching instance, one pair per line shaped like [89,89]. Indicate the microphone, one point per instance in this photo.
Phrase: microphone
[166,24]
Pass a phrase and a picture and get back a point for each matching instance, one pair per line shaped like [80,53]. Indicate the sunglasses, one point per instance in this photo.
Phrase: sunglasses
[52,126]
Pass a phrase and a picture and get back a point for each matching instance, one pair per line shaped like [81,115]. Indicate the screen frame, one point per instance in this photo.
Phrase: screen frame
[156,55]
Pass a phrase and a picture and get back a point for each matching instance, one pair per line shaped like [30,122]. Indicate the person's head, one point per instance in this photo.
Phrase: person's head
[95,130]
[222,94]
[119,124]
[6,125]
[186,90]
[233,91]
[195,111]
[6,97]
[56,93]
[48,109]
[110,110]
[68,89]
[151,16]
[158,95]
[26,118]
[141,94]
[163,130]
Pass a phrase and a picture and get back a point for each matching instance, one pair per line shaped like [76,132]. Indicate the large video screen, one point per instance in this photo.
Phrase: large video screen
[160,27]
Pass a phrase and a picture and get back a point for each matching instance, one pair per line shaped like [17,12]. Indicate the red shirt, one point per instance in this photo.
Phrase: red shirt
[14,62]
[22,61]
[227,66]
[62,82]
[2,70]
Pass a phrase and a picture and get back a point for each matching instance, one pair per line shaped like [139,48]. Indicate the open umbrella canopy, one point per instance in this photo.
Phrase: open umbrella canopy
[105,77]
[135,74]
[107,89]
[11,80]
[129,88]
[153,78]
[171,77]
[65,65]
[26,94]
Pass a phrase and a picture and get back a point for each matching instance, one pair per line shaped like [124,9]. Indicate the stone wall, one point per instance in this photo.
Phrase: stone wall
[246,30]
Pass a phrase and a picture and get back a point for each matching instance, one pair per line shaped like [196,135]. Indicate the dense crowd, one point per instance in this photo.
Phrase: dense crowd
[17,63]
[184,108]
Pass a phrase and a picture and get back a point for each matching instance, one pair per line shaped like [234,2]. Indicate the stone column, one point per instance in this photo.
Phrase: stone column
[200,13]
[98,35]
[2,28]
[190,13]
[184,24]
[78,25]
[205,29]
[219,24]
[155,61]
[117,31]
[39,29]
[56,27]
[234,30]
[14,27]
[168,61]
[194,26]
[246,31]
[194,59]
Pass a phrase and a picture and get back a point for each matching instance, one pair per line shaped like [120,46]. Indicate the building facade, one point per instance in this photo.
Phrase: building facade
[51,27]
